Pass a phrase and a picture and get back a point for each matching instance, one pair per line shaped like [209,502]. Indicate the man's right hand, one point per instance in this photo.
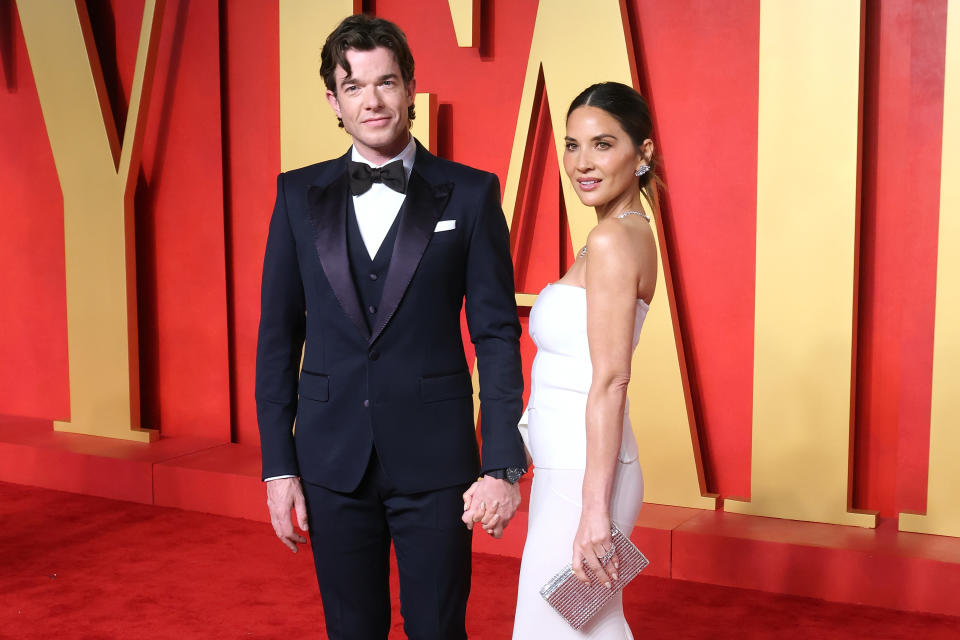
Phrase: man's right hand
[284,494]
[492,503]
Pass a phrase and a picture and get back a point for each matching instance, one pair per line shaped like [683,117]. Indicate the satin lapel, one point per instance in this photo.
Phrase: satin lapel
[422,208]
[328,213]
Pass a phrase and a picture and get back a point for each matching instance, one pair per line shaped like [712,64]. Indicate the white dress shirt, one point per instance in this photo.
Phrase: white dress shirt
[376,210]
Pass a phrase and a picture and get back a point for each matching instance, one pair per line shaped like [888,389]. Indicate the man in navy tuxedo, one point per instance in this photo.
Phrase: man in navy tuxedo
[368,262]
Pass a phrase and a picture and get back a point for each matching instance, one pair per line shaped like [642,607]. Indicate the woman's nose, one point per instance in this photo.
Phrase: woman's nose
[584,161]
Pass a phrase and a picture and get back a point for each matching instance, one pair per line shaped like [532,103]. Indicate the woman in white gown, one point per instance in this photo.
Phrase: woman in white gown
[586,327]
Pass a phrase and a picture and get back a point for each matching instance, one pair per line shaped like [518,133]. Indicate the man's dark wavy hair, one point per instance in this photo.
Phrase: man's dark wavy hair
[364,33]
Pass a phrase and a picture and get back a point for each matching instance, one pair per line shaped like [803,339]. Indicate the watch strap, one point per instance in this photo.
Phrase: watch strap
[510,474]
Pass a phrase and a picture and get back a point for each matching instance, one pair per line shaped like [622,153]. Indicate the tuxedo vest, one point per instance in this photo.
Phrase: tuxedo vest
[369,274]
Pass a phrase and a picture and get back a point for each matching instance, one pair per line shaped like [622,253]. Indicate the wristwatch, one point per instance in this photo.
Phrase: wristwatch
[510,474]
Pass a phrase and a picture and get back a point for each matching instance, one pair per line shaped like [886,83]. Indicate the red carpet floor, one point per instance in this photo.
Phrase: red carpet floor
[74,566]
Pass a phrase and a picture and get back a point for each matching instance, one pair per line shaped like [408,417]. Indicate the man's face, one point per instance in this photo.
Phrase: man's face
[372,102]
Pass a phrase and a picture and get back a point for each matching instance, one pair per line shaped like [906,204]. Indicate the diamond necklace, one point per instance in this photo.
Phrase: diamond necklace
[621,216]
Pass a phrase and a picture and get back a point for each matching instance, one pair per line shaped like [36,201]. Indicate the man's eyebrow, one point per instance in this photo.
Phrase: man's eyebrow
[351,80]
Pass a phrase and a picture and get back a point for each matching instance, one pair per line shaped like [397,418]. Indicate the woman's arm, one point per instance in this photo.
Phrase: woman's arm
[615,256]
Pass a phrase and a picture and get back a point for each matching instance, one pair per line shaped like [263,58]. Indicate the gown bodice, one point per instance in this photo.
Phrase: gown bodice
[560,380]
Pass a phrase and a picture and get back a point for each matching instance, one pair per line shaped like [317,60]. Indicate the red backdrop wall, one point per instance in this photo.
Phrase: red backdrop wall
[211,155]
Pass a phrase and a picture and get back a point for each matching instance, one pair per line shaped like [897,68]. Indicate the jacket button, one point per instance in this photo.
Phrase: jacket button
[372,309]
[373,276]
[374,355]
[366,403]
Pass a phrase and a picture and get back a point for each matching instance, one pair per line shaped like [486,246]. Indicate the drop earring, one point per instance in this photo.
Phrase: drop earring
[642,170]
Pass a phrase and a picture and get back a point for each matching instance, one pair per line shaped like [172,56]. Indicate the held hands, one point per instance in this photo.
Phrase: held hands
[284,494]
[492,503]
[591,544]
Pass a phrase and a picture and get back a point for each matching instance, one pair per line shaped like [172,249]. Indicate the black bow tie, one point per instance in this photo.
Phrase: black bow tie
[362,176]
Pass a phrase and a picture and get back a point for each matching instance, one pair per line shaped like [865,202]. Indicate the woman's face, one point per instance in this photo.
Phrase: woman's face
[600,158]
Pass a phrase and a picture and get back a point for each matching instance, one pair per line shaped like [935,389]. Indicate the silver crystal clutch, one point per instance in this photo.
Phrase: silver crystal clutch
[578,602]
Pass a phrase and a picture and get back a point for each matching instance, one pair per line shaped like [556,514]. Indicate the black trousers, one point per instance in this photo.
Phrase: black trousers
[351,533]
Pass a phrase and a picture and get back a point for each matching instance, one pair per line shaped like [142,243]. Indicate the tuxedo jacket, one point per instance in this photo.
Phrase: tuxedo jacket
[399,382]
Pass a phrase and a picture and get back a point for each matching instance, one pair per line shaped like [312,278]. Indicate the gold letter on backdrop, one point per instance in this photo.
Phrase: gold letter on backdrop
[807,196]
[97,176]
[943,486]
[308,128]
[466,21]
[662,416]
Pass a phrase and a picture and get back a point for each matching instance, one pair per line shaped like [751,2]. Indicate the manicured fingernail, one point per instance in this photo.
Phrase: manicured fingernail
[607,585]
[616,565]
[614,575]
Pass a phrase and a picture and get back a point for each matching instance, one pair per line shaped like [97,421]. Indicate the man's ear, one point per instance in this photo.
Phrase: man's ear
[412,89]
[334,103]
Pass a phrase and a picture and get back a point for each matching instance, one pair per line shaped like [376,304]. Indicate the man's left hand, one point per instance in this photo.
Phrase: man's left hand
[492,503]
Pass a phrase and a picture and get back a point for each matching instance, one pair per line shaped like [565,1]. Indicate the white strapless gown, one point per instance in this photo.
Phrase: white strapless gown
[554,430]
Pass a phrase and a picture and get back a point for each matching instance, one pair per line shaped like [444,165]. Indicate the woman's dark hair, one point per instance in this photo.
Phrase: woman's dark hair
[629,109]
[364,33]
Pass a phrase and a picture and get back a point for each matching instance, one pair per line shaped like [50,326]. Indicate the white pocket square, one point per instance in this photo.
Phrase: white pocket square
[446,225]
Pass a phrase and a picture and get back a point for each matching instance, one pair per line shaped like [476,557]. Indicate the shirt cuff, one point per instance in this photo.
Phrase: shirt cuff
[278,477]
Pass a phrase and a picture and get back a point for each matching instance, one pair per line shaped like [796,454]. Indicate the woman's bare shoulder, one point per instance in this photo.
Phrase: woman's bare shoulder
[628,241]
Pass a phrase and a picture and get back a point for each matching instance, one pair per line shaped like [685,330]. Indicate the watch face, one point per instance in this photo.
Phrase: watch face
[513,475]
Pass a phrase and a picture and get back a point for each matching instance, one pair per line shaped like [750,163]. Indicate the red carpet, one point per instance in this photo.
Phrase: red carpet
[74,566]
